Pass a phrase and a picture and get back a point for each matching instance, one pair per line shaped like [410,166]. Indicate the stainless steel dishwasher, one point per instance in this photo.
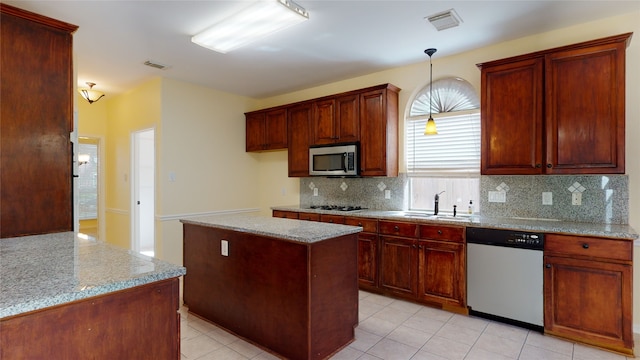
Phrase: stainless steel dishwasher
[504,276]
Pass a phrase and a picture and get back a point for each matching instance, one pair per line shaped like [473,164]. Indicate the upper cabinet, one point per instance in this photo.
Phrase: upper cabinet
[368,116]
[266,130]
[559,111]
[37,117]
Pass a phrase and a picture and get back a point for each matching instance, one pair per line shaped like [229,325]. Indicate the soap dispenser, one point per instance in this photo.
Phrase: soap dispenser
[470,207]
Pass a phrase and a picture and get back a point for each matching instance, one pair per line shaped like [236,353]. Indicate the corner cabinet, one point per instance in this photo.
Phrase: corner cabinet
[368,116]
[558,111]
[37,117]
[588,290]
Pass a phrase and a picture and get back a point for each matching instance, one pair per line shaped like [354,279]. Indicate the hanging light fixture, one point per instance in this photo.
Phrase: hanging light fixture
[89,94]
[430,129]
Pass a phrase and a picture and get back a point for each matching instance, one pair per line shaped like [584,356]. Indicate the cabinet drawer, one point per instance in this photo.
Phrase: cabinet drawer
[309,216]
[447,233]
[368,225]
[589,246]
[285,214]
[334,219]
[398,228]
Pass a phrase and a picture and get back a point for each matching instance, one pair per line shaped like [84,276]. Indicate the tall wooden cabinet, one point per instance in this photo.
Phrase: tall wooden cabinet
[299,135]
[36,101]
[588,290]
[558,111]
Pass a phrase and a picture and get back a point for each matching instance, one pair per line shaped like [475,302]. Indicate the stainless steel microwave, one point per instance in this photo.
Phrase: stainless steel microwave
[334,160]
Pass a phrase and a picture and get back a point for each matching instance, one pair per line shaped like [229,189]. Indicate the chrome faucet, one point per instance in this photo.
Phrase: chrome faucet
[435,205]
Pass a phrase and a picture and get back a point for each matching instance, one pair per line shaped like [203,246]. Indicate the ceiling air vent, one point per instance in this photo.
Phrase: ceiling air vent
[444,20]
[156,65]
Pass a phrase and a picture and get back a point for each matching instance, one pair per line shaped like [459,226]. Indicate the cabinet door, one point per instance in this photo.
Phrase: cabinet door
[589,301]
[367,259]
[585,97]
[378,134]
[299,118]
[255,130]
[276,129]
[512,117]
[324,129]
[348,118]
[441,276]
[398,265]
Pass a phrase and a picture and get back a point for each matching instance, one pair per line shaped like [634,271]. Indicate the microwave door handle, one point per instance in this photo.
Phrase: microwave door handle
[344,162]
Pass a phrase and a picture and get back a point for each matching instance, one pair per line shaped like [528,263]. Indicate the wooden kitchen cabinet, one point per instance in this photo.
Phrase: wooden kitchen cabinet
[558,111]
[36,108]
[399,265]
[333,219]
[367,251]
[299,118]
[588,290]
[285,214]
[336,120]
[266,130]
[379,132]
[442,266]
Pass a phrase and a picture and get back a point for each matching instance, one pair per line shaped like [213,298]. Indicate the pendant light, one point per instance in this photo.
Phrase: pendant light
[430,129]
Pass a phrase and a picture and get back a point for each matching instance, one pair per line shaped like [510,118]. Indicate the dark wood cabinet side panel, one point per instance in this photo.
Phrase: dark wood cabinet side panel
[137,323]
[36,194]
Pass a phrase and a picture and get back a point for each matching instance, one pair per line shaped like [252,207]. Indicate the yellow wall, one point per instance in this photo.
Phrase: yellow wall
[200,136]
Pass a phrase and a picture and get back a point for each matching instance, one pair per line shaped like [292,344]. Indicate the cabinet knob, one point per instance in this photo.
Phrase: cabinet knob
[360,224]
[330,221]
[396,228]
[439,232]
[549,166]
[585,246]
[548,266]
[538,166]
[414,246]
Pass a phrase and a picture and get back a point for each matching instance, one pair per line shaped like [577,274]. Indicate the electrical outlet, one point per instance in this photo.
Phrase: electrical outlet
[498,196]
[224,247]
[576,198]
[547,198]
[387,194]
[315,191]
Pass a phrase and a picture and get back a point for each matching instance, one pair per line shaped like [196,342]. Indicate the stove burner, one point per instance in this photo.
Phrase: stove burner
[337,207]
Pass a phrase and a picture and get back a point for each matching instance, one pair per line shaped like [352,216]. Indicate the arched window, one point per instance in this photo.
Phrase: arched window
[450,160]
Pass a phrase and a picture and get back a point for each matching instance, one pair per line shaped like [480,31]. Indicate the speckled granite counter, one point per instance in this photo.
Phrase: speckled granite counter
[547,226]
[295,230]
[46,270]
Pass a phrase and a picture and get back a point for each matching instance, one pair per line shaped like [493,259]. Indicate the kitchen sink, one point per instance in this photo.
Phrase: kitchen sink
[420,215]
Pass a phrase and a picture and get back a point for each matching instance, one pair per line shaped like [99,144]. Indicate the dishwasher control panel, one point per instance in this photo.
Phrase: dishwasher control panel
[507,238]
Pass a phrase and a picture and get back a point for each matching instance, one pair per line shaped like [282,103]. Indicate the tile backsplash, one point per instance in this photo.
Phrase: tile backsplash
[603,198]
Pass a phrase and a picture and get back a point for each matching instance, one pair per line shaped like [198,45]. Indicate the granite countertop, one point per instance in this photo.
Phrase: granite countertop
[288,229]
[40,271]
[541,225]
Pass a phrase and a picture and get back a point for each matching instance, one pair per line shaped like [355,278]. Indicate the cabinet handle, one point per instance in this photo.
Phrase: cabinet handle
[585,246]
[549,166]
[396,228]
[439,232]
[548,266]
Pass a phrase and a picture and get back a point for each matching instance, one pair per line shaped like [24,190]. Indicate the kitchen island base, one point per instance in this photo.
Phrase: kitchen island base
[298,300]
[137,323]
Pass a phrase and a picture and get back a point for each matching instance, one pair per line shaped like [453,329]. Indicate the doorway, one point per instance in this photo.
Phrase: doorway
[143,191]
[88,185]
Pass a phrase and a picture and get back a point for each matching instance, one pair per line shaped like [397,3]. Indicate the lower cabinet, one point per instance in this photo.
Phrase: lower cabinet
[399,266]
[367,251]
[588,290]
[441,273]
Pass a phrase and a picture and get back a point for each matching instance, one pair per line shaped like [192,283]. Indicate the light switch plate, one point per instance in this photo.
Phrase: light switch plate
[547,198]
[387,194]
[315,191]
[224,247]
[576,198]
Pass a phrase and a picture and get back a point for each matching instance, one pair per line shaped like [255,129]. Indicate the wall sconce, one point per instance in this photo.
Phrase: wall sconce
[89,94]
[83,159]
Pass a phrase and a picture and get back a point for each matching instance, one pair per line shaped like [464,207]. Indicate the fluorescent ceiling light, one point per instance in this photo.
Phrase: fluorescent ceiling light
[257,21]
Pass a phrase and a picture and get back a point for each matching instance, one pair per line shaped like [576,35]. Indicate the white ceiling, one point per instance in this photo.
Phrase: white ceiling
[342,38]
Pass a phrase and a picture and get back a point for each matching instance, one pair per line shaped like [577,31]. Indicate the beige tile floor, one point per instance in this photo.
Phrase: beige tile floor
[396,330]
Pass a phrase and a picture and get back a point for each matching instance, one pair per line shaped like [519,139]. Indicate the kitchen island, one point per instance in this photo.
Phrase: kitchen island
[65,297]
[289,286]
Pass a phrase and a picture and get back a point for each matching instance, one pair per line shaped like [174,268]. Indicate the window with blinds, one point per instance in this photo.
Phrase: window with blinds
[449,162]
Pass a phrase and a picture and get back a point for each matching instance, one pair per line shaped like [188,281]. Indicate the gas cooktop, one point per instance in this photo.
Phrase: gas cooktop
[337,207]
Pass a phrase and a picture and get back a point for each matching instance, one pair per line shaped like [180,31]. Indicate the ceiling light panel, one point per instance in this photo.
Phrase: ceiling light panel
[445,20]
[256,21]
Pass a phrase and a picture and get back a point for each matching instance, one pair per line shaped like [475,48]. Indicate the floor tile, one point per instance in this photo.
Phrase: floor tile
[584,352]
[507,331]
[549,343]
[448,349]
[364,340]
[423,323]
[392,350]
[198,346]
[348,353]
[377,326]
[530,352]
[502,346]
[459,333]
[409,336]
